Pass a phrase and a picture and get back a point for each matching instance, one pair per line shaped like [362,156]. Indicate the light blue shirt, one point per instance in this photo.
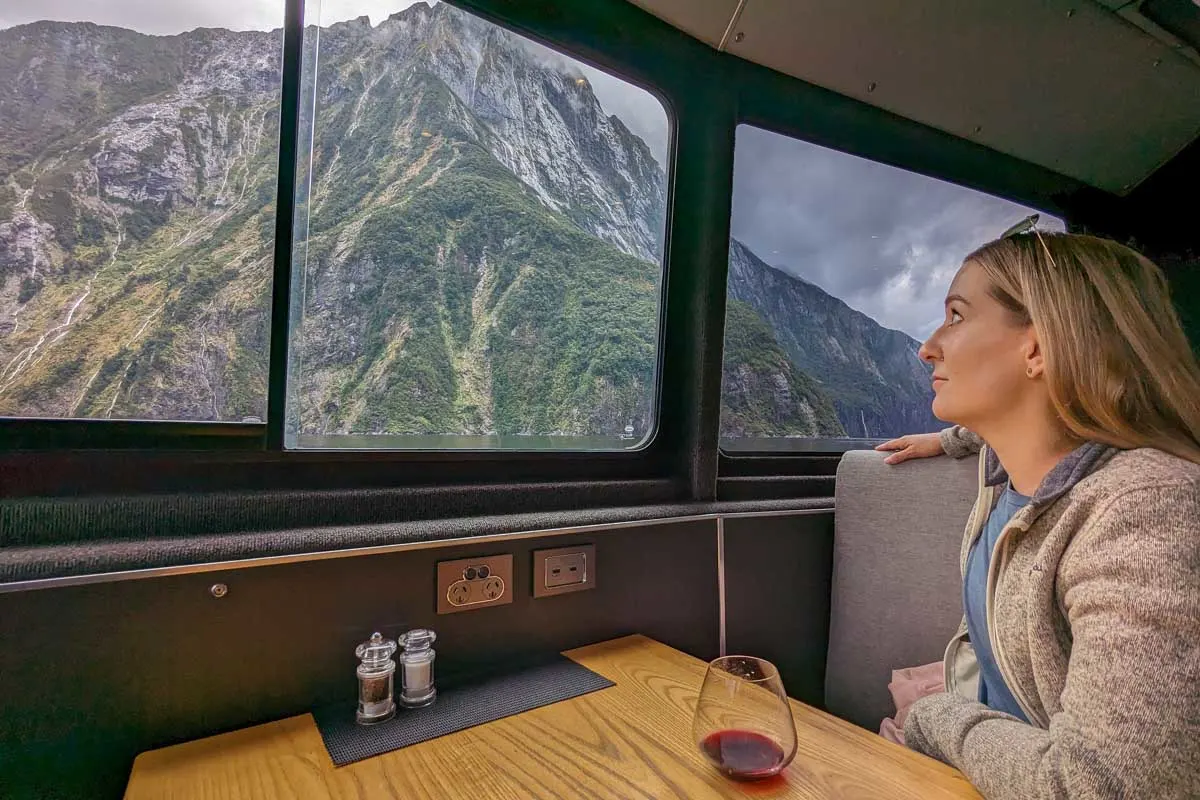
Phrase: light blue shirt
[993,691]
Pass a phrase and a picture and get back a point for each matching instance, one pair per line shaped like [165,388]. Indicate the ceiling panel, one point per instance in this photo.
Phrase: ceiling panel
[706,20]
[1067,85]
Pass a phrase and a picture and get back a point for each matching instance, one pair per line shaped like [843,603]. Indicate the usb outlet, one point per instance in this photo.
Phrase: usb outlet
[564,569]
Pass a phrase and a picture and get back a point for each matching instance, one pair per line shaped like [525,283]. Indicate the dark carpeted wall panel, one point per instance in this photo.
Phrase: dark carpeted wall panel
[58,520]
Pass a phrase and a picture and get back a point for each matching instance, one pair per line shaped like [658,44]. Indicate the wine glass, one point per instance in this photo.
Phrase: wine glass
[743,721]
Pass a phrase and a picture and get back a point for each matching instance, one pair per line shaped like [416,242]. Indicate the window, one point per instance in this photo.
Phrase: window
[478,244]
[837,271]
[137,208]
[478,240]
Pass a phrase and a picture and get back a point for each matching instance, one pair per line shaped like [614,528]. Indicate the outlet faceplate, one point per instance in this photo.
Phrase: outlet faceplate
[564,569]
[470,583]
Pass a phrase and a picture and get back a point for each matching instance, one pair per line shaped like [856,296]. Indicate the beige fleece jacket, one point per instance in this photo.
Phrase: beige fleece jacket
[1094,616]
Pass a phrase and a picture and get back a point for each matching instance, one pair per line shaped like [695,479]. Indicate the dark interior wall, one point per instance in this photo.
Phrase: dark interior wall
[92,675]
[1184,274]
[777,583]
[1158,219]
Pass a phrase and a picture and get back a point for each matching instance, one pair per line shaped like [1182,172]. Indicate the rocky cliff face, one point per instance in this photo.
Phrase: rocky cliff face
[528,107]
[139,179]
[474,217]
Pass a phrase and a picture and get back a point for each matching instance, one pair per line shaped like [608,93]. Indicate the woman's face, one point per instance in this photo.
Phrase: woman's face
[980,355]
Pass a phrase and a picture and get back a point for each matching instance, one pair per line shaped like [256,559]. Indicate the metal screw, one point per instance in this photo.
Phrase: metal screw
[1158,62]
[871,86]
[1070,13]
[737,37]
[218,590]
[979,129]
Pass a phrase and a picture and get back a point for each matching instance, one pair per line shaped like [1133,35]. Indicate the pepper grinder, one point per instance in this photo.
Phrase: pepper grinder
[417,668]
[375,676]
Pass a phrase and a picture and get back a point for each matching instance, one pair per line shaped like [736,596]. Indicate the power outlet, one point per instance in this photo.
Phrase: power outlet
[467,584]
[564,569]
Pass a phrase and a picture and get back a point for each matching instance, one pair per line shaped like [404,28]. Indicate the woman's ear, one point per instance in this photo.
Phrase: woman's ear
[1035,362]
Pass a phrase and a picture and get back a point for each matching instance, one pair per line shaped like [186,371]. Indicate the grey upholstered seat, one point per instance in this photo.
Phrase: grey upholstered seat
[897,591]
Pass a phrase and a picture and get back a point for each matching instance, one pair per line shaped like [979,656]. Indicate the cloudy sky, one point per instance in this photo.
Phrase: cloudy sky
[884,240]
[636,107]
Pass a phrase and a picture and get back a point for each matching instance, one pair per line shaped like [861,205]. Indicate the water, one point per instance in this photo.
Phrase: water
[797,444]
[461,442]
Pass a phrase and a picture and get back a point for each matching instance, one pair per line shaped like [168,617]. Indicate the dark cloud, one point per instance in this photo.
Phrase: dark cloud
[885,240]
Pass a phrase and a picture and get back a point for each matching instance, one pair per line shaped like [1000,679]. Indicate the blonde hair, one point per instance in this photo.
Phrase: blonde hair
[1118,364]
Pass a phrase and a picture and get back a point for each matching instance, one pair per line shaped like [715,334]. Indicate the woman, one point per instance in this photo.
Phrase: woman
[1076,670]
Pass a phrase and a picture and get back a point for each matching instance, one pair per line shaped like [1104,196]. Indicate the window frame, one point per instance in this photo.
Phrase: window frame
[277,416]
[914,148]
[40,433]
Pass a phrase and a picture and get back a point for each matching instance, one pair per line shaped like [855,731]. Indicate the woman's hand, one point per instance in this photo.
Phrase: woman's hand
[918,445]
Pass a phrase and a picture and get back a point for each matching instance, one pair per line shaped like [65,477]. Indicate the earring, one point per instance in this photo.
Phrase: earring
[1029,372]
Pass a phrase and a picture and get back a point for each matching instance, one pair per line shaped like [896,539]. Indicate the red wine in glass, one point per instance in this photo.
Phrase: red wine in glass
[744,755]
[743,723]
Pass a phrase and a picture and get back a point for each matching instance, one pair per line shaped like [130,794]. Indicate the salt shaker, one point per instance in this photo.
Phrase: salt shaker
[375,675]
[416,664]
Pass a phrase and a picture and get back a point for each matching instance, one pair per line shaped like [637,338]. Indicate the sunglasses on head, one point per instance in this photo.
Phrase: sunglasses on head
[1025,226]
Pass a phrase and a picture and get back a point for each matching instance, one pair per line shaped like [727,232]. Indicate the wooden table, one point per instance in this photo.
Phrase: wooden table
[633,740]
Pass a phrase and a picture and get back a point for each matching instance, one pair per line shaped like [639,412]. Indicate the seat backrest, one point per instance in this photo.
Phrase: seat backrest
[897,590]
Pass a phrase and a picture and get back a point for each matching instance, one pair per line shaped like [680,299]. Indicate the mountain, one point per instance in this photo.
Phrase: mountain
[136,205]
[484,242]
[873,376]
[528,107]
[481,249]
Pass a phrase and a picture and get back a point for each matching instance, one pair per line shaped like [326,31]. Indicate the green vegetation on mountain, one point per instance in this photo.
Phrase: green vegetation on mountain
[763,394]
[484,287]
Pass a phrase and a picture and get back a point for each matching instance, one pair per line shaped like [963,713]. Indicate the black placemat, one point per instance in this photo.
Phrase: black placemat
[456,708]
